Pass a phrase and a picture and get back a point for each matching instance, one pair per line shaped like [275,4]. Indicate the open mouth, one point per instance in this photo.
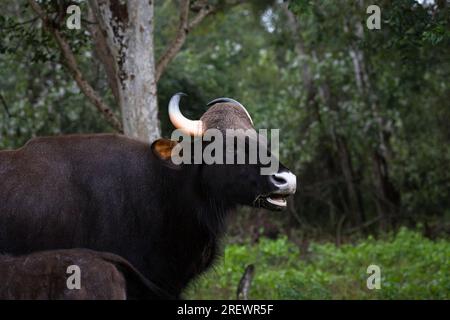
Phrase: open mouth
[277,200]
[273,201]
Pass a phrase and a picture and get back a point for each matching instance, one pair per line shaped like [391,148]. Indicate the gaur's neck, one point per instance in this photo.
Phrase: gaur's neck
[194,224]
[193,203]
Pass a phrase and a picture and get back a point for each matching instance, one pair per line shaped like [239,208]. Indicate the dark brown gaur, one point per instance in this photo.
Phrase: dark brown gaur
[111,193]
[43,276]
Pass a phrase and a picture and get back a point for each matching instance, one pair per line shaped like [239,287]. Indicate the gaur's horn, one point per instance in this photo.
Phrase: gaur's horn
[191,127]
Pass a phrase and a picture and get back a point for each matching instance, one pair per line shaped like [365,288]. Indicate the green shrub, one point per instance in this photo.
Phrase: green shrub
[412,267]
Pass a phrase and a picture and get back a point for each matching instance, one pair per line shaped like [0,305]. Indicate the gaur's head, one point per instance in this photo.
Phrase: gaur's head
[241,167]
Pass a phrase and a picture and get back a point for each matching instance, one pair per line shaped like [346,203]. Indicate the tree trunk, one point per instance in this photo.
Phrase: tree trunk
[354,196]
[124,45]
[387,196]
[356,208]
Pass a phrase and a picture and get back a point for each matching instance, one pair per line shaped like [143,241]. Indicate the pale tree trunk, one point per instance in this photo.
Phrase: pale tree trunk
[122,34]
[123,41]
[357,214]
[387,196]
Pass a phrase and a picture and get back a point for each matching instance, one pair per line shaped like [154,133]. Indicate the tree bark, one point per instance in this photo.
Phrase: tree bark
[125,33]
[71,64]
[122,34]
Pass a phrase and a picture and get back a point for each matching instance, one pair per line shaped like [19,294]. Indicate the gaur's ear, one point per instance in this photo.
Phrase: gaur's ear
[162,148]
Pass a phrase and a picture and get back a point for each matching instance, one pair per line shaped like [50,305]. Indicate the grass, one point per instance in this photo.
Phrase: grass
[412,267]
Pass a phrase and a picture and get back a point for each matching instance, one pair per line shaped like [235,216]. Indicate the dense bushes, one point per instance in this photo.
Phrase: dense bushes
[412,267]
[363,114]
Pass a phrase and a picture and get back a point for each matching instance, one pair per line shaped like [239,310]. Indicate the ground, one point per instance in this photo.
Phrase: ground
[411,266]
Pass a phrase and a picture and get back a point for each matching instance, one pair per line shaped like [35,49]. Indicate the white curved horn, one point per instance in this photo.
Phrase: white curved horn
[191,127]
[219,100]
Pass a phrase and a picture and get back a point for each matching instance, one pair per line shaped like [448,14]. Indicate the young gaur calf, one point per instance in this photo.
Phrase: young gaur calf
[47,275]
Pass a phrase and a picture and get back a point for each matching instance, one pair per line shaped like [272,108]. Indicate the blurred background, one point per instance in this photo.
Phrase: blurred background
[364,119]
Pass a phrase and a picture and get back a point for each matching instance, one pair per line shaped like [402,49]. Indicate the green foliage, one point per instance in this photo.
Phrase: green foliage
[255,53]
[412,267]
[41,99]
[38,96]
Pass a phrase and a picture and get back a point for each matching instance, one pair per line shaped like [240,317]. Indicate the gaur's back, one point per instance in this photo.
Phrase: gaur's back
[61,192]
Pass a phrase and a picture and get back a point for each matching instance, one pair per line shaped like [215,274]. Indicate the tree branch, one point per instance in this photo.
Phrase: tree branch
[204,11]
[103,53]
[22,23]
[176,44]
[71,64]
[184,27]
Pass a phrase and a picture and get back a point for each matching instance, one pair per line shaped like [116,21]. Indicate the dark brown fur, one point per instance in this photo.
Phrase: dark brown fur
[113,194]
[43,276]
[224,116]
